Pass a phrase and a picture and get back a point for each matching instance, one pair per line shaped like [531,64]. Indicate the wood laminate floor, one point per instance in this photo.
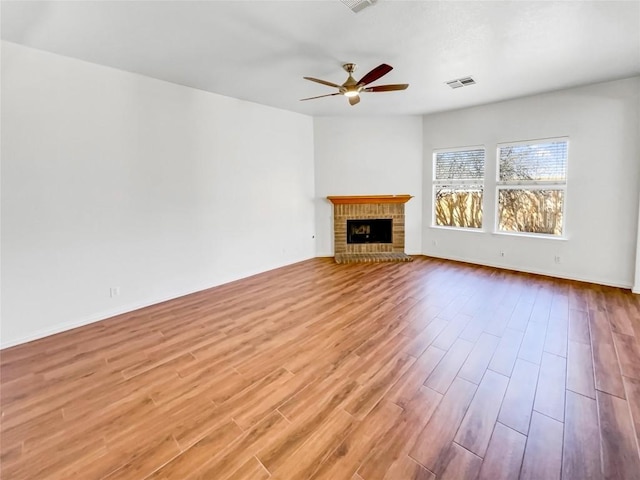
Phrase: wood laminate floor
[424,370]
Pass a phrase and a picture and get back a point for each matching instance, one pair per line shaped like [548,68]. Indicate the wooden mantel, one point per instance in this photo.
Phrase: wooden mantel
[361,199]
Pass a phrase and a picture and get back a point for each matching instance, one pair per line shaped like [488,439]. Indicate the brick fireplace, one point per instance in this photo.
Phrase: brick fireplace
[362,213]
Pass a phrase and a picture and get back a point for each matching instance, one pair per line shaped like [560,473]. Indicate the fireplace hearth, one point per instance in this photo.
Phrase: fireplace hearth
[369,228]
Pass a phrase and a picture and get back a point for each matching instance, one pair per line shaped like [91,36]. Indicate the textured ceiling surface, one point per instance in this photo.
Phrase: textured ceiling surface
[260,50]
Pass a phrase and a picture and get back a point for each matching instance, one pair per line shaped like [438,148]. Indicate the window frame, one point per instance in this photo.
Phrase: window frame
[532,185]
[460,182]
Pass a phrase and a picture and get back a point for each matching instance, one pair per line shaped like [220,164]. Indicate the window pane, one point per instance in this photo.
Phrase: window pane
[532,211]
[460,165]
[458,206]
[541,161]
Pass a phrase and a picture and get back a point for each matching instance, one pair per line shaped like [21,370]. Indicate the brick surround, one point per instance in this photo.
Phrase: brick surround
[370,207]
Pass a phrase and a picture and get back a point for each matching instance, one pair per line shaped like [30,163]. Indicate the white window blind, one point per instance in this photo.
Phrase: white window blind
[538,162]
[460,165]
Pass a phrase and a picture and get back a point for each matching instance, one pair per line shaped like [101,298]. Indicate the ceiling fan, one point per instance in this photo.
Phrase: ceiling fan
[352,88]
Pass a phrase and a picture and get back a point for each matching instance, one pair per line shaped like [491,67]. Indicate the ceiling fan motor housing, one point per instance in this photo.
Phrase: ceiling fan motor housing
[350,87]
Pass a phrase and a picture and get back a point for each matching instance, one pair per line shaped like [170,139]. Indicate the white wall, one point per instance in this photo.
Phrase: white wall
[636,285]
[601,122]
[114,179]
[362,156]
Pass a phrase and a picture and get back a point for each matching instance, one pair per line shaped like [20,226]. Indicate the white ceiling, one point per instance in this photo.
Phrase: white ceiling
[260,50]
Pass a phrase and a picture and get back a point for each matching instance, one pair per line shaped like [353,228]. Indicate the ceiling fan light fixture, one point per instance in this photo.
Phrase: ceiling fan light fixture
[351,93]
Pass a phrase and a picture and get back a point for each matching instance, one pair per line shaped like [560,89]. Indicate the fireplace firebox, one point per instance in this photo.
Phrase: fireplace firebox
[370,230]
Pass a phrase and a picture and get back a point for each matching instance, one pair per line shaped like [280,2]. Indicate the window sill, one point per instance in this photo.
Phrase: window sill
[532,235]
[458,229]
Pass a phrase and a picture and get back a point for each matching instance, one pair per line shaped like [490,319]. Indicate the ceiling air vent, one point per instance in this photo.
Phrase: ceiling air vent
[357,5]
[461,82]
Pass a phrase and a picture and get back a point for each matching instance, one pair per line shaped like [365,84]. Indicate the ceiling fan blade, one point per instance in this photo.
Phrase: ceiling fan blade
[387,88]
[375,74]
[323,82]
[320,96]
[354,100]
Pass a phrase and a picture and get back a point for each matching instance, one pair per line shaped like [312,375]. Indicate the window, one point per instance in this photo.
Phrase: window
[458,185]
[532,183]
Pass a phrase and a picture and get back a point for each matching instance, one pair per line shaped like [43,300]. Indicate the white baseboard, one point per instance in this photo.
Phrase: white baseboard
[579,278]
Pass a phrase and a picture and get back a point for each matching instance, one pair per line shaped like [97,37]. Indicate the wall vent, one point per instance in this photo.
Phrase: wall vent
[357,5]
[461,82]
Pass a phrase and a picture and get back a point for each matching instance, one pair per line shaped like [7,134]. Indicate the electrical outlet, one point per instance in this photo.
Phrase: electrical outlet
[556,259]
[114,291]
[502,253]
